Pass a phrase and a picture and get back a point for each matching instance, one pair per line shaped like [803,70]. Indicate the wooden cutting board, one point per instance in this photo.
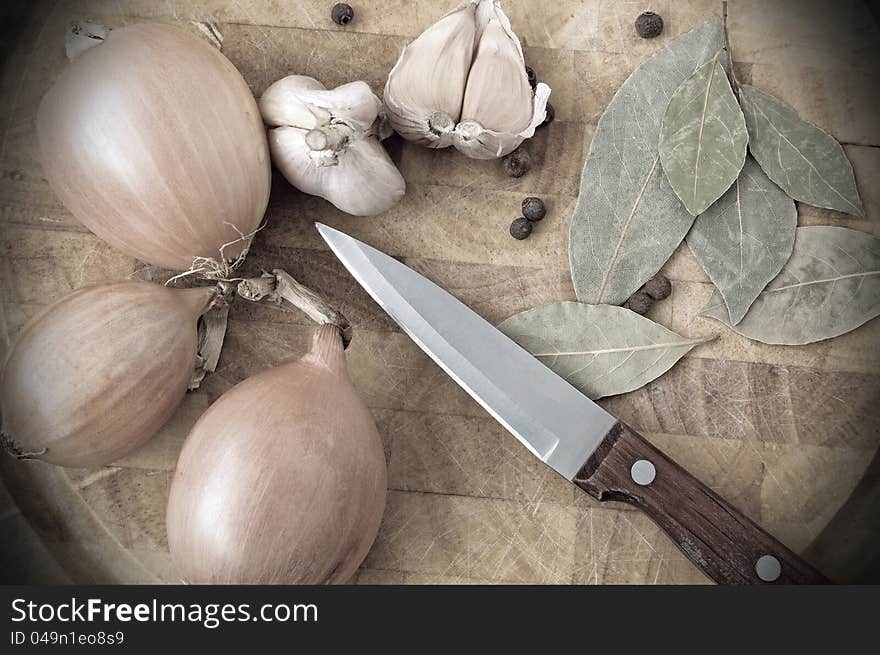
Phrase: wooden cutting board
[788,434]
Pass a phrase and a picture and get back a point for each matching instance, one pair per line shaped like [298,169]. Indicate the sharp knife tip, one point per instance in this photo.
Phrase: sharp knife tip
[331,235]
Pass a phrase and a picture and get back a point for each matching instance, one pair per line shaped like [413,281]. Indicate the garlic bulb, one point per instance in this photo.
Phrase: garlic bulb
[325,142]
[100,372]
[282,480]
[463,83]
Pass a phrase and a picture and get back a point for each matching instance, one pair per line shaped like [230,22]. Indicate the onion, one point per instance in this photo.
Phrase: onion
[282,480]
[100,372]
[153,140]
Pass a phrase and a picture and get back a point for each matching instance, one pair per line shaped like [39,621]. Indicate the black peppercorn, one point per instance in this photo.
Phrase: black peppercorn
[658,287]
[550,115]
[342,13]
[518,162]
[533,209]
[649,25]
[533,79]
[640,302]
[520,228]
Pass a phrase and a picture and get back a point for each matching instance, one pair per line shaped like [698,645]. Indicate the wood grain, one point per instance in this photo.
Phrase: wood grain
[785,434]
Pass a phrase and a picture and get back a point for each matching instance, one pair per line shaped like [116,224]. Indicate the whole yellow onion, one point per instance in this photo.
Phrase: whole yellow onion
[282,480]
[100,372]
[153,141]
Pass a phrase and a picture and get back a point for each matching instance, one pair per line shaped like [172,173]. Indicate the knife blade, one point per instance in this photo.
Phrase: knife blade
[565,429]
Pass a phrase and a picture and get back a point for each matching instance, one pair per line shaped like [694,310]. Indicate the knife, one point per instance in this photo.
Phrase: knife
[566,430]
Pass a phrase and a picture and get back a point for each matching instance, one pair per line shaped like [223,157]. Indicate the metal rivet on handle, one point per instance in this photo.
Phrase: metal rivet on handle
[643,472]
[768,568]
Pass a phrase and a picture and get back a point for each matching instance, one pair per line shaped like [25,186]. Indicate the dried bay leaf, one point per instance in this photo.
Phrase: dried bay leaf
[807,162]
[603,350]
[831,285]
[743,240]
[628,220]
[703,138]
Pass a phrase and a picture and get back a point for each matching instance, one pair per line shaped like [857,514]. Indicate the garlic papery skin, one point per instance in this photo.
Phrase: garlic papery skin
[492,112]
[325,143]
[100,372]
[425,89]
[282,480]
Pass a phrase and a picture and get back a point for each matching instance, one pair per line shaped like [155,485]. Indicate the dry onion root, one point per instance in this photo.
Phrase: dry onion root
[274,287]
[100,371]
[279,285]
[282,480]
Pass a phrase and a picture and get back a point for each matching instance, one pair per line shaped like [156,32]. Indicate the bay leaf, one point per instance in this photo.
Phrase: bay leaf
[703,137]
[628,220]
[603,350]
[831,285]
[743,240]
[807,162]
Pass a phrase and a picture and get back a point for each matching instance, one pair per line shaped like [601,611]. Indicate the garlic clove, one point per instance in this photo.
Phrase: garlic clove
[301,101]
[366,182]
[290,154]
[463,82]
[472,139]
[360,179]
[498,94]
[353,104]
[499,108]
[425,89]
[282,104]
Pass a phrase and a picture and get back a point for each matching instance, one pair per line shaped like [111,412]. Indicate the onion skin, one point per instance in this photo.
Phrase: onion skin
[282,480]
[153,141]
[100,372]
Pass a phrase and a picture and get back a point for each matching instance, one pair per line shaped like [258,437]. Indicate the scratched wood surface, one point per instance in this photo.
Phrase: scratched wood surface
[787,434]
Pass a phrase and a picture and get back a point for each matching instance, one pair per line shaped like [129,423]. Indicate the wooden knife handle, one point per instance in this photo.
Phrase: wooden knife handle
[716,537]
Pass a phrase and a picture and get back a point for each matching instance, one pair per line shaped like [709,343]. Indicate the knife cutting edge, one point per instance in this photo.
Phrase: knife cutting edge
[565,429]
